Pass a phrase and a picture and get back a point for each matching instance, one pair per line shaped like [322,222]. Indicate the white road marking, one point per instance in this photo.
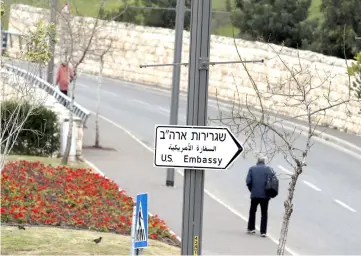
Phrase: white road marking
[141,102]
[110,93]
[151,107]
[309,184]
[213,103]
[95,168]
[312,185]
[164,110]
[345,205]
[291,127]
[285,170]
[235,212]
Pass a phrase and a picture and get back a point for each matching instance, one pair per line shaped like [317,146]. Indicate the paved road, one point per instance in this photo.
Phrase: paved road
[131,166]
[327,215]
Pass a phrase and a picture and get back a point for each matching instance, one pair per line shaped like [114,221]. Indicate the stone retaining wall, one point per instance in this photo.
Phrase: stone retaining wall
[135,45]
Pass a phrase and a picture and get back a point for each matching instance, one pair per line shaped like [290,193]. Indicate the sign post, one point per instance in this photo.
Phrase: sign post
[178,43]
[139,231]
[196,147]
[198,76]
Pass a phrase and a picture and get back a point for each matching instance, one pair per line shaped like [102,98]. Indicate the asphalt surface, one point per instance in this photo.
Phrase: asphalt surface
[327,205]
[131,166]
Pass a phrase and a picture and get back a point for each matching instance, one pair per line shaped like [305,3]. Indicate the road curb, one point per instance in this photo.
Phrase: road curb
[93,166]
[319,134]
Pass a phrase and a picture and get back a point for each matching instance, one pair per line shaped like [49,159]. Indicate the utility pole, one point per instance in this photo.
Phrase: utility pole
[193,191]
[197,103]
[53,4]
[179,26]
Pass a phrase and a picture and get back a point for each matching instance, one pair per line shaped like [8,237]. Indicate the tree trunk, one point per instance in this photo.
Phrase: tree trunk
[40,72]
[97,144]
[288,204]
[65,158]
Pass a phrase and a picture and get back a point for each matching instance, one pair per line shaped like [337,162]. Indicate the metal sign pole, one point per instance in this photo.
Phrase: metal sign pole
[193,193]
[132,251]
[179,26]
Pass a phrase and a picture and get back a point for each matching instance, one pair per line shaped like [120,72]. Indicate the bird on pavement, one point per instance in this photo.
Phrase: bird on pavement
[97,241]
[21,227]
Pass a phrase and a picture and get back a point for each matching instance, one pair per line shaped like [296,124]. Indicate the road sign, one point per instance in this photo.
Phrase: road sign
[141,222]
[196,147]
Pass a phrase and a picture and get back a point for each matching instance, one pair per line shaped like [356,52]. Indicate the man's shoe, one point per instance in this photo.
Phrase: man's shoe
[251,231]
[263,235]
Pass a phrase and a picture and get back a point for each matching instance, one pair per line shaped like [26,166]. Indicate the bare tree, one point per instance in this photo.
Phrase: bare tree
[21,93]
[100,77]
[355,71]
[302,94]
[82,40]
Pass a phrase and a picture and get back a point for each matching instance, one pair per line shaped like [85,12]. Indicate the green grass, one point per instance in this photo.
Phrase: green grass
[227,31]
[91,7]
[57,241]
[81,7]
[46,161]
[314,10]
[221,4]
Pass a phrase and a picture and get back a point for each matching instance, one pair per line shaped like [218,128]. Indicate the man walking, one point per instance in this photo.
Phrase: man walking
[256,181]
[62,77]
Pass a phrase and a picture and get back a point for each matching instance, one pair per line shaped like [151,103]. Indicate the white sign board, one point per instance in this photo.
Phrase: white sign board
[196,147]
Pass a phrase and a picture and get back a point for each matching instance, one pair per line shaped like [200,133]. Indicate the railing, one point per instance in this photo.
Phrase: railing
[77,110]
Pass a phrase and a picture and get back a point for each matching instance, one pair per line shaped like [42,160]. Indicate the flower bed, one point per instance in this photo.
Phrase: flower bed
[36,194]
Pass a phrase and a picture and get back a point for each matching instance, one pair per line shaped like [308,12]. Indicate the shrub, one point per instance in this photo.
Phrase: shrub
[38,129]
[60,196]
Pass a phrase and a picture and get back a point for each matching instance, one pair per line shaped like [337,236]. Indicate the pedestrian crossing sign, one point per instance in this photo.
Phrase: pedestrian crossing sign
[141,222]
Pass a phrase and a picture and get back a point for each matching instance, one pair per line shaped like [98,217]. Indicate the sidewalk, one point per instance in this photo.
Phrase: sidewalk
[131,166]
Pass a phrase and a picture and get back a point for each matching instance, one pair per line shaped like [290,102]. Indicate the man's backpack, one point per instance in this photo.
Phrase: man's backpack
[272,185]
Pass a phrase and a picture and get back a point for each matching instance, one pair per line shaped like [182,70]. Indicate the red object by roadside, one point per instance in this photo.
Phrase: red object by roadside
[62,77]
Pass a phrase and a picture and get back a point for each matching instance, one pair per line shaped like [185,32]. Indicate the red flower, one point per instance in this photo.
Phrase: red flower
[61,195]
[153,236]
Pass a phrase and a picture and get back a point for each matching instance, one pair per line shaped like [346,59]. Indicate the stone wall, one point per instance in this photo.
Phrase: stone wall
[132,46]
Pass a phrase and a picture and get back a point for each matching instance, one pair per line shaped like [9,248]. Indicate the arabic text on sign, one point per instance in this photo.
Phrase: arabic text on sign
[190,148]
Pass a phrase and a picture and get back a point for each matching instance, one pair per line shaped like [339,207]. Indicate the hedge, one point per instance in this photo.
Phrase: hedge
[39,129]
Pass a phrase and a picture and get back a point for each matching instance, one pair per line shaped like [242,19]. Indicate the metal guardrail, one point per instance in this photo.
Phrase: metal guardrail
[77,110]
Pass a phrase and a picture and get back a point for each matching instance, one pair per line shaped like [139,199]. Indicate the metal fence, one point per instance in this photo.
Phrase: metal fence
[77,110]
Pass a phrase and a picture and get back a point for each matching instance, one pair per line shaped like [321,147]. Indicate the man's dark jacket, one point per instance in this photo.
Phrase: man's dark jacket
[257,179]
